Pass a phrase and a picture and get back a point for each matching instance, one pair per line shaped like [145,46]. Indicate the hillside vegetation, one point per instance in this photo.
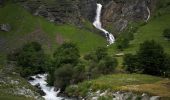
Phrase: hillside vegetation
[26,27]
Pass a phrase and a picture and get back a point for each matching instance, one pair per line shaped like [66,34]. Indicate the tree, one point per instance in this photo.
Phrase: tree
[99,62]
[122,43]
[63,76]
[67,68]
[131,64]
[151,57]
[101,52]
[67,53]
[31,59]
[107,65]
[166,33]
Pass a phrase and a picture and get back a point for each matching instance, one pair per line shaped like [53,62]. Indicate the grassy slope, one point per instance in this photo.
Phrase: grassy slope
[152,31]
[26,27]
[128,82]
[23,24]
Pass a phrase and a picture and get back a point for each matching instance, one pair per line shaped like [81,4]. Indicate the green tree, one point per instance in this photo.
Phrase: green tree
[151,57]
[99,62]
[166,33]
[31,59]
[63,76]
[101,52]
[67,53]
[131,64]
[67,68]
[107,65]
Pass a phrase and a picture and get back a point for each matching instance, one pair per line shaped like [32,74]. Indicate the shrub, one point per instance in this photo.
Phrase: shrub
[150,59]
[166,33]
[31,59]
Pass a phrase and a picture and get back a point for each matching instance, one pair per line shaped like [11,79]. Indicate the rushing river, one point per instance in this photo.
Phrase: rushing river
[41,81]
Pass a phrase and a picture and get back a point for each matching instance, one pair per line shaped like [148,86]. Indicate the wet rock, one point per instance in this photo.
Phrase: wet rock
[38,86]
[5,27]
[30,79]
[41,92]
[145,97]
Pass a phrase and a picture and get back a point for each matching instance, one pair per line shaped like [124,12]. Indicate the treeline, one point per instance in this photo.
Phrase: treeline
[66,66]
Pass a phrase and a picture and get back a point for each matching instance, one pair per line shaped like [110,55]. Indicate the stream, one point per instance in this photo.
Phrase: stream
[50,93]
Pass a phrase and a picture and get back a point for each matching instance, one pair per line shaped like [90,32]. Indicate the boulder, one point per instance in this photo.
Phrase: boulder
[5,27]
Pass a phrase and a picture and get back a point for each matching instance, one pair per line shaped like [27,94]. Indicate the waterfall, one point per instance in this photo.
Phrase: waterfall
[97,23]
[50,93]
[149,14]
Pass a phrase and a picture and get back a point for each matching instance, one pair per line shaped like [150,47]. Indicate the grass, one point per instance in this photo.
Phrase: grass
[26,27]
[10,97]
[127,82]
[152,31]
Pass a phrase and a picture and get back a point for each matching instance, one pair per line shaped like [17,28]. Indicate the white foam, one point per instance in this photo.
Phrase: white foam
[98,25]
[149,14]
[40,79]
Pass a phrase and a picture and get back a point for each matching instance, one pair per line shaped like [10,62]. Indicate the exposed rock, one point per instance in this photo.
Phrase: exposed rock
[5,27]
[118,13]
[1,2]
[31,78]
[120,95]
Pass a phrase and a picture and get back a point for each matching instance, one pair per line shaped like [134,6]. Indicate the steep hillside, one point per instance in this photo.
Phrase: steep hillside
[152,30]
[25,27]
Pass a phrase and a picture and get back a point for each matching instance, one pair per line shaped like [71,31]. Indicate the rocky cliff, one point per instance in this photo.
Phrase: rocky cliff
[116,14]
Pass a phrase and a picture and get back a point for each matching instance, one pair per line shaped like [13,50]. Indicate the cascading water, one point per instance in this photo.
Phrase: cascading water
[149,14]
[98,25]
[50,93]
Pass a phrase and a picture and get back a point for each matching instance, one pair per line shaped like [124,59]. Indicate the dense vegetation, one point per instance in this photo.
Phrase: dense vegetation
[83,65]
[166,33]
[150,59]
[30,59]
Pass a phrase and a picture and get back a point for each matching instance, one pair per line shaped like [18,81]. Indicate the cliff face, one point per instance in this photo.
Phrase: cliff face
[119,13]
[116,13]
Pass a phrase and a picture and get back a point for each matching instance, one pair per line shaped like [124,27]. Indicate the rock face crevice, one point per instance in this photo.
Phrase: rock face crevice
[116,14]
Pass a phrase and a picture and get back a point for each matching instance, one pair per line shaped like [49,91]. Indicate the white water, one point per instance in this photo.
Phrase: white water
[98,25]
[149,14]
[40,79]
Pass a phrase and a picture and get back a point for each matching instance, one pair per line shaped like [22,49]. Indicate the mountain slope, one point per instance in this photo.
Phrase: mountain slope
[25,27]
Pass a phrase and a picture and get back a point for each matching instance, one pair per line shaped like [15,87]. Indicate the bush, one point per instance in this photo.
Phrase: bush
[131,63]
[99,62]
[150,59]
[166,33]
[67,53]
[67,68]
[63,76]
[31,59]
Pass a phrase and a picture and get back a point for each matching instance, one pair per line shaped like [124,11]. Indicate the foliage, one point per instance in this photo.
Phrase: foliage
[131,64]
[150,59]
[166,33]
[63,76]
[67,68]
[99,62]
[67,53]
[31,59]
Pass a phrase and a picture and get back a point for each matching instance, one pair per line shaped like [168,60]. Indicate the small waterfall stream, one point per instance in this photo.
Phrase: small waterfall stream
[97,23]
[50,93]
